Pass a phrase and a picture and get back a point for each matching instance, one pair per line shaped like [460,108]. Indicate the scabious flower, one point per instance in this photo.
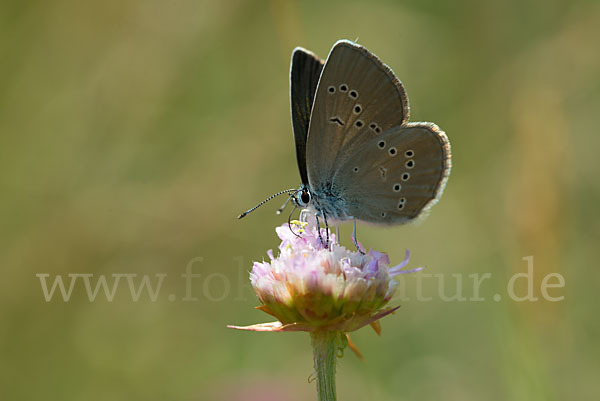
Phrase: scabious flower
[309,287]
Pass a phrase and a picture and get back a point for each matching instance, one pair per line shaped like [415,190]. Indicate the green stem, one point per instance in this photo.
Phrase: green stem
[323,343]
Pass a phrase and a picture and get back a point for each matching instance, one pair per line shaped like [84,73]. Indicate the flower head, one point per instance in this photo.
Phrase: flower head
[309,287]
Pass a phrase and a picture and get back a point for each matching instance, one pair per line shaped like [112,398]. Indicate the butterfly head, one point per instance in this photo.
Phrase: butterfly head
[302,198]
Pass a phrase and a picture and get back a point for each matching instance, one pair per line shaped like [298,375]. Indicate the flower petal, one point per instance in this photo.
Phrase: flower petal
[273,326]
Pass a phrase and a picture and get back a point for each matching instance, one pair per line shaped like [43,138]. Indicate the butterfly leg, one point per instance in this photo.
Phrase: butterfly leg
[354,238]
[319,229]
[326,230]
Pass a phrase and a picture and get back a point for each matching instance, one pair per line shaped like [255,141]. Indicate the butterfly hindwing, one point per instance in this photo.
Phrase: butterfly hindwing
[397,175]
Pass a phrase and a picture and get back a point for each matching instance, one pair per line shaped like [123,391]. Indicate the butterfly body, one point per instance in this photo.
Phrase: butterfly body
[329,201]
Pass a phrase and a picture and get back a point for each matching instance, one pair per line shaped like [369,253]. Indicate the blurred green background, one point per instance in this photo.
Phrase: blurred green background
[132,133]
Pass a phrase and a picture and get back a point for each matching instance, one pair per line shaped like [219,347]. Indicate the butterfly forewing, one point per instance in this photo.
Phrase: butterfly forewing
[304,76]
[358,97]
[397,175]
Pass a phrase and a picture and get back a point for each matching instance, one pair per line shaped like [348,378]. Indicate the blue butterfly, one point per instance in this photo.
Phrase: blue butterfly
[359,158]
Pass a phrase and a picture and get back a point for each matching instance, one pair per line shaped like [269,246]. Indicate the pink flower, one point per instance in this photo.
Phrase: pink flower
[308,287]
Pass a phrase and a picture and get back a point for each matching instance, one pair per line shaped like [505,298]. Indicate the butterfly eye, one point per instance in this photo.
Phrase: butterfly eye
[305,197]
[358,109]
[405,177]
[358,123]
[409,153]
[397,187]
[355,169]
[410,164]
[353,94]
[401,203]
[392,151]
[381,144]
[343,88]
[331,89]
[302,197]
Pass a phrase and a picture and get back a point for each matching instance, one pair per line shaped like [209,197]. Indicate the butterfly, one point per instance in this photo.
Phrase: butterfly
[358,156]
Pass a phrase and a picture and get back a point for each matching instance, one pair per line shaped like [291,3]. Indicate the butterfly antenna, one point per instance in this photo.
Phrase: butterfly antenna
[284,205]
[287,191]
[290,222]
